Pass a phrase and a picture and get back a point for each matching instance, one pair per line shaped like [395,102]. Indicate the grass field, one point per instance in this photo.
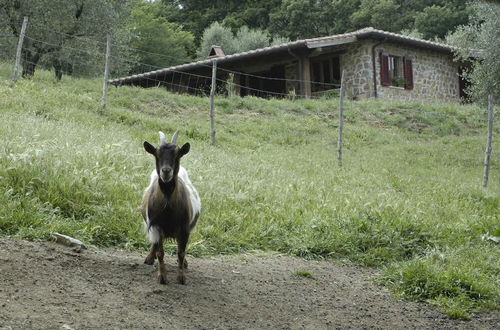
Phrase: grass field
[408,198]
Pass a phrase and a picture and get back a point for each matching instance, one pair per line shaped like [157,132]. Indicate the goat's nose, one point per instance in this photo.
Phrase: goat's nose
[166,170]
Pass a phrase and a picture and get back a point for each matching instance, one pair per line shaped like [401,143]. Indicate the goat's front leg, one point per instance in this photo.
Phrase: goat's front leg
[162,270]
[181,257]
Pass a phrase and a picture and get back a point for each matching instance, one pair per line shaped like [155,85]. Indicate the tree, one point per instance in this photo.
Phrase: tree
[429,18]
[55,24]
[478,43]
[437,20]
[254,14]
[151,34]
[197,15]
[380,14]
[245,39]
[216,34]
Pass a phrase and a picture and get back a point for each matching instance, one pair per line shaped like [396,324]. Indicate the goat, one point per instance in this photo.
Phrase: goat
[170,205]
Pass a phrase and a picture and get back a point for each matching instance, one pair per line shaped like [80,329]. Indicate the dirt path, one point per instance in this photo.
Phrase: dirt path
[47,286]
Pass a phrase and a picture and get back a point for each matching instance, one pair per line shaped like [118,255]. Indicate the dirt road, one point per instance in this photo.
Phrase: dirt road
[48,286]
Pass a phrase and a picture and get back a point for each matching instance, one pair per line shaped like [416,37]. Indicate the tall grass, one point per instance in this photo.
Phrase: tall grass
[408,197]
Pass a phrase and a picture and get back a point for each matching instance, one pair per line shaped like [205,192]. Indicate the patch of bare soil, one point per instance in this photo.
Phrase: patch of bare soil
[47,286]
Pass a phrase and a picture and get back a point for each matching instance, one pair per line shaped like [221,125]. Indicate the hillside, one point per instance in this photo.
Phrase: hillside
[408,198]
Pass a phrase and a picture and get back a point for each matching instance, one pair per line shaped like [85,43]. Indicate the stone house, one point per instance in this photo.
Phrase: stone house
[375,64]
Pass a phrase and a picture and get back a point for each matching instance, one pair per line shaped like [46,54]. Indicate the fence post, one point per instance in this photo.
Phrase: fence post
[106,72]
[19,49]
[487,155]
[212,110]
[341,117]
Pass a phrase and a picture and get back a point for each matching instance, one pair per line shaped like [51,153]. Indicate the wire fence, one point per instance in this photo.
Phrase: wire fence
[77,55]
[81,56]
[149,67]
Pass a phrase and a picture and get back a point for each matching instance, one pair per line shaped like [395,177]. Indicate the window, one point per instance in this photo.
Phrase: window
[396,71]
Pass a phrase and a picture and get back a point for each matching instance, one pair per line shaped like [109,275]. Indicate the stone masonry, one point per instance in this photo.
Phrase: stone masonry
[435,74]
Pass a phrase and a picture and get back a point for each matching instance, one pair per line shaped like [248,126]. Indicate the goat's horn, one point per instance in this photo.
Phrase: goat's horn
[162,138]
[174,137]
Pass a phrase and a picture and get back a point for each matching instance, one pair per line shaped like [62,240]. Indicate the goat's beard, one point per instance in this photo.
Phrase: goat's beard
[166,178]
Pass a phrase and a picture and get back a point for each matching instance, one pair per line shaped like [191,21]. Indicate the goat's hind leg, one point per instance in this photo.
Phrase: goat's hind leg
[150,259]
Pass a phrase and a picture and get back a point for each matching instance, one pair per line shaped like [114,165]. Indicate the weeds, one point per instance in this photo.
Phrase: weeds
[304,273]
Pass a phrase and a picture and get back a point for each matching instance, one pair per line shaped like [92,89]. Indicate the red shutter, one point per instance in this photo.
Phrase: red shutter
[384,70]
[408,72]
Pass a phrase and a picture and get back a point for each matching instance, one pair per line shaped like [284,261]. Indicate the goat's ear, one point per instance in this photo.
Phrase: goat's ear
[184,149]
[149,148]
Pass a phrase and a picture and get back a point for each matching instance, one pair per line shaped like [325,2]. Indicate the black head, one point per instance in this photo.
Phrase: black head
[167,157]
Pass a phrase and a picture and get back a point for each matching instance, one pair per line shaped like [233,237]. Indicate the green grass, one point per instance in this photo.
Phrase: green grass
[408,197]
[304,273]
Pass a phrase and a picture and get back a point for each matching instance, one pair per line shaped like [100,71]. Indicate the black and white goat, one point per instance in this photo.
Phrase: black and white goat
[170,205]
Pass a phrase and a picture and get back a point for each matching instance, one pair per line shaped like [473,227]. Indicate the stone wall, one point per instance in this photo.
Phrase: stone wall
[435,74]
[357,65]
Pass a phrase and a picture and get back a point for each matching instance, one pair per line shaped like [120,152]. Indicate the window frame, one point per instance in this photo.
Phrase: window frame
[404,68]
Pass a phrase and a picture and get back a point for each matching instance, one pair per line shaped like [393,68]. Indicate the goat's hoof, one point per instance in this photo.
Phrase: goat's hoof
[184,264]
[181,279]
[162,279]
[149,261]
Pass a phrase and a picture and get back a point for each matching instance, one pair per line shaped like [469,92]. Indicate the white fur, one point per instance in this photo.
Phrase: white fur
[193,193]
[153,233]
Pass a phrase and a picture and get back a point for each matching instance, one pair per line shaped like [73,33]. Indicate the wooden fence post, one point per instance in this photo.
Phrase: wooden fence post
[341,117]
[19,49]
[212,106]
[487,155]
[106,73]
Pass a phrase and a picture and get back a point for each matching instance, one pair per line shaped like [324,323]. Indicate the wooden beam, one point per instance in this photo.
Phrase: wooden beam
[305,76]
[328,52]
[212,103]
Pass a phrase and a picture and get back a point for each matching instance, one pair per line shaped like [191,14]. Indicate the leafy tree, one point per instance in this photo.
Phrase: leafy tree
[254,14]
[245,39]
[217,34]
[412,33]
[381,14]
[59,27]
[437,20]
[428,18]
[151,34]
[197,15]
[298,19]
[478,42]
